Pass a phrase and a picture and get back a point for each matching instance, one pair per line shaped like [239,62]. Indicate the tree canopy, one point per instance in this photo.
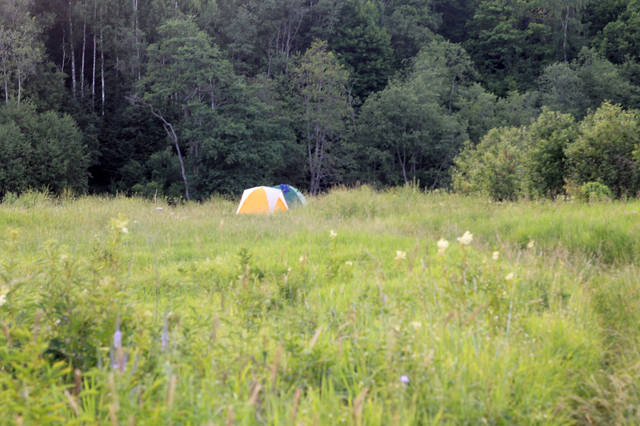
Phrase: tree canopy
[191,98]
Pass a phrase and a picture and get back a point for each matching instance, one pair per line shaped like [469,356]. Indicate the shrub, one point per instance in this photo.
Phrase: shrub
[550,134]
[39,150]
[595,191]
[603,150]
[495,166]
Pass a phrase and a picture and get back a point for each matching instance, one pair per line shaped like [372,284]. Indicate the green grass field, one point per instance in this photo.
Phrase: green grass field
[343,312]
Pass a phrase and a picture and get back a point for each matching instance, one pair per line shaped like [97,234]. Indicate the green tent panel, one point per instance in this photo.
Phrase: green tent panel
[292,195]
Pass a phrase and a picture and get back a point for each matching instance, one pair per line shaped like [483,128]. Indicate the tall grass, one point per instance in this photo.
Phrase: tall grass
[120,310]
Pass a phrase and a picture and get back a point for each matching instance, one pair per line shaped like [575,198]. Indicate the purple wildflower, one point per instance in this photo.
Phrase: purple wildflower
[404,379]
[117,338]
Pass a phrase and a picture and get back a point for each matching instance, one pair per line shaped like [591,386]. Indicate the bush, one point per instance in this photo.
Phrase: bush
[40,150]
[595,191]
[604,150]
[550,134]
[495,166]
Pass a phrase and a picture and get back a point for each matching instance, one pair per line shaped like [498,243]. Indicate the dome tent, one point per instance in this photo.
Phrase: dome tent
[262,199]
[294,197]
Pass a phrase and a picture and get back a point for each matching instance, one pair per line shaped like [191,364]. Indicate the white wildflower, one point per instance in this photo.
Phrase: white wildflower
[466,238]
[509,276]
[401,255]
[495,255]
[531,244]
[442,245]
[333,234]
[348,263]
[3,299]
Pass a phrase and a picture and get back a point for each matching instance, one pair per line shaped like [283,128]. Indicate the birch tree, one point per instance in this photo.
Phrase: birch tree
[20,46]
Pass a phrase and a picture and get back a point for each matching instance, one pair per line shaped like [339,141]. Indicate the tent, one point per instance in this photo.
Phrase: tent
[262,199]
[292,195]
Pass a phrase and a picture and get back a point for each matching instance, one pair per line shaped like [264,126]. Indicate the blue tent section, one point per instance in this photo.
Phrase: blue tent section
[292,195]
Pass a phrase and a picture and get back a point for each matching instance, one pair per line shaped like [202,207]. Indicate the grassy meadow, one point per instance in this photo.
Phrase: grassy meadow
[347,311]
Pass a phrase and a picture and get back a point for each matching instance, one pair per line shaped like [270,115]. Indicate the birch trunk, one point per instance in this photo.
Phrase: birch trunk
[93,71]
[136,41]
[84,45]
[565,26]
[6,80]
[73,56]
[64,52]
[19,85]
[102,63]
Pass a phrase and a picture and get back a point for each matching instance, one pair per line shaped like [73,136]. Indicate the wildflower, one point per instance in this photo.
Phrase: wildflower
[333,234]
[495,255]
[509,276]
[531,244]
[466,238]
[404,379]
[117,338]
[120,223]
[348,263]
[442,245]
[401,255]
[3,299]
[416,324]
[302,259]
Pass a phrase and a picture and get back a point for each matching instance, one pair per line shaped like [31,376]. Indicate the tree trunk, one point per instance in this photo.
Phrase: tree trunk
[168,127]
[453,90]
[565,26]
[84,45]
[73,56]
[64,52]
[102,62]
[402,159]
[19,85]
[93,71]
[136,41]
[6,80]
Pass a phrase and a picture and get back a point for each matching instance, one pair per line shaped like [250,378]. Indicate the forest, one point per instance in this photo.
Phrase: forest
[186,99]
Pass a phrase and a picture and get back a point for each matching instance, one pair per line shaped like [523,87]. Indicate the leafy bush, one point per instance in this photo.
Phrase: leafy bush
[603,150]
[550,134]
[595,191]
[495,166]
[39,150]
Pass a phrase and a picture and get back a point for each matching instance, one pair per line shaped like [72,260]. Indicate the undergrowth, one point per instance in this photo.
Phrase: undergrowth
[345,311]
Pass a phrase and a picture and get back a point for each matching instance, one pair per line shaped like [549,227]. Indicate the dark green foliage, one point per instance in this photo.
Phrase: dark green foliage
[407,137]
[363,46]
[40,150]
[222,74]
[411,24]
[620,39]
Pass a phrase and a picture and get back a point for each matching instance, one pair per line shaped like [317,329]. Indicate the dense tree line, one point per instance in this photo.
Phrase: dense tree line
[187,98]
